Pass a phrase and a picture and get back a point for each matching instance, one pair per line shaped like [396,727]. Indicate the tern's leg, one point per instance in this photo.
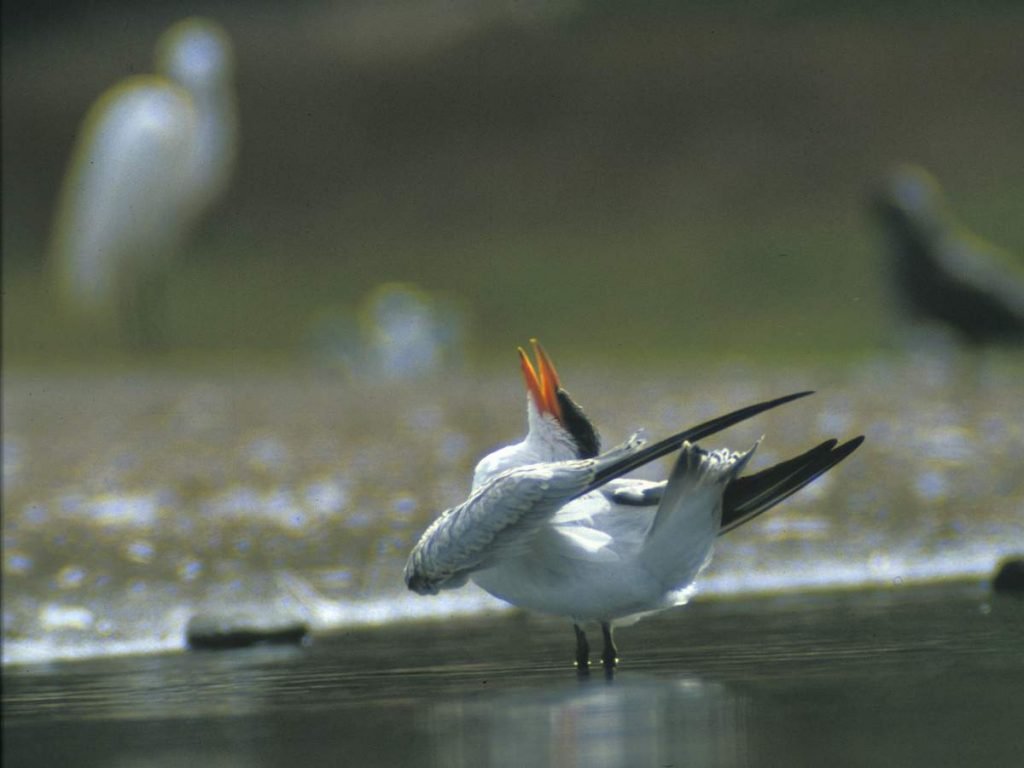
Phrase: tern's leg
[582,649]
[610,654]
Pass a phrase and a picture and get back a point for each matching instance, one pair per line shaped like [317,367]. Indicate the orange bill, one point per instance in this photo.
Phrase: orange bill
[541,381]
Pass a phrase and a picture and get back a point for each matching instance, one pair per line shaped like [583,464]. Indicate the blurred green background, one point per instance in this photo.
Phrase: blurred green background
[645,178]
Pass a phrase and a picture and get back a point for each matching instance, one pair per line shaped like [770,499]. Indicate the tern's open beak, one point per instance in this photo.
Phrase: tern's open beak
[542,381]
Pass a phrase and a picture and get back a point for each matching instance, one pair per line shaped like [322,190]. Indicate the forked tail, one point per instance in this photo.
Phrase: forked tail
[747,497]
[679,541]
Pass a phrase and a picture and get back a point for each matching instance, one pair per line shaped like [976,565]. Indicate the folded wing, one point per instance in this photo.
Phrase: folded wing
[500,518]
[504,514]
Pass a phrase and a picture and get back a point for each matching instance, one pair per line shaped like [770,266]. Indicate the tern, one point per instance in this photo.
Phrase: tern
[552,526]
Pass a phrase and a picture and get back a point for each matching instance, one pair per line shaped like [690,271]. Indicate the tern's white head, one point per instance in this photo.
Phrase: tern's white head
[557,429]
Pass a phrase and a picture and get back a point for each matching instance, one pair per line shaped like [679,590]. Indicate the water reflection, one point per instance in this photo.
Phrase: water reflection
[678,721]
[893,677]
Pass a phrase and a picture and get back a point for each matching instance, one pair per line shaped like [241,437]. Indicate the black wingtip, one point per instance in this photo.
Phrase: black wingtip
[723,422]
[669,444]
[852,444]
[843,450]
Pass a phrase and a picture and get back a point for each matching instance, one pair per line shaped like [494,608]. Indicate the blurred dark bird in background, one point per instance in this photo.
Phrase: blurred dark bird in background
[942,273]
[154,153]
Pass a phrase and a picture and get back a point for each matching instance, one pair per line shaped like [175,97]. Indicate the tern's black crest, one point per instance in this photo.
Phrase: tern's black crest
[582,430]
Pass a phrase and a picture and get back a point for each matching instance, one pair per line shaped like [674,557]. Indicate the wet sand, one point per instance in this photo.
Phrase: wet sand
[914,676]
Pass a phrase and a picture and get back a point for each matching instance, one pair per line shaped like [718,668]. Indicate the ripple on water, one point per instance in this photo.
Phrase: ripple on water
[17,563]
[13,459]
[277,506]
[115,510]
[325,497]
[140,551]
[931,486]
[267,453]
[189,569]
[70,577]
[55,617]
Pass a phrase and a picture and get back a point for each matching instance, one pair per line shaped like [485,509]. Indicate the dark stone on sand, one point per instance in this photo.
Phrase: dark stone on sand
[224,631]
[1009,576]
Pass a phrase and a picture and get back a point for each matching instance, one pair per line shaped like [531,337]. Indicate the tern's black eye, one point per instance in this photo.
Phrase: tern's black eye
[588,442]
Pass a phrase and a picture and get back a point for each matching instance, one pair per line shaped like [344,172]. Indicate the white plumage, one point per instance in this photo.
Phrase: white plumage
[551,527]
[154,152]
[596,560]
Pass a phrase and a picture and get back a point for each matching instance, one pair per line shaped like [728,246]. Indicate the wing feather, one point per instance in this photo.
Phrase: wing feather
[500,517]
[634,493]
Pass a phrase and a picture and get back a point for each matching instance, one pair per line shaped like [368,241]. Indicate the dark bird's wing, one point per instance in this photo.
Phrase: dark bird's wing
[940,271]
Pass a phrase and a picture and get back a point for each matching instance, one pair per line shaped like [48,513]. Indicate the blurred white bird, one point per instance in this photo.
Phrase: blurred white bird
[549,526]
[154,152]
[940,271]
[400,332]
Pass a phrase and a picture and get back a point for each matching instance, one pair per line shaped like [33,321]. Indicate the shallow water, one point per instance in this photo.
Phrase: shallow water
[134,500]
[899,676]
